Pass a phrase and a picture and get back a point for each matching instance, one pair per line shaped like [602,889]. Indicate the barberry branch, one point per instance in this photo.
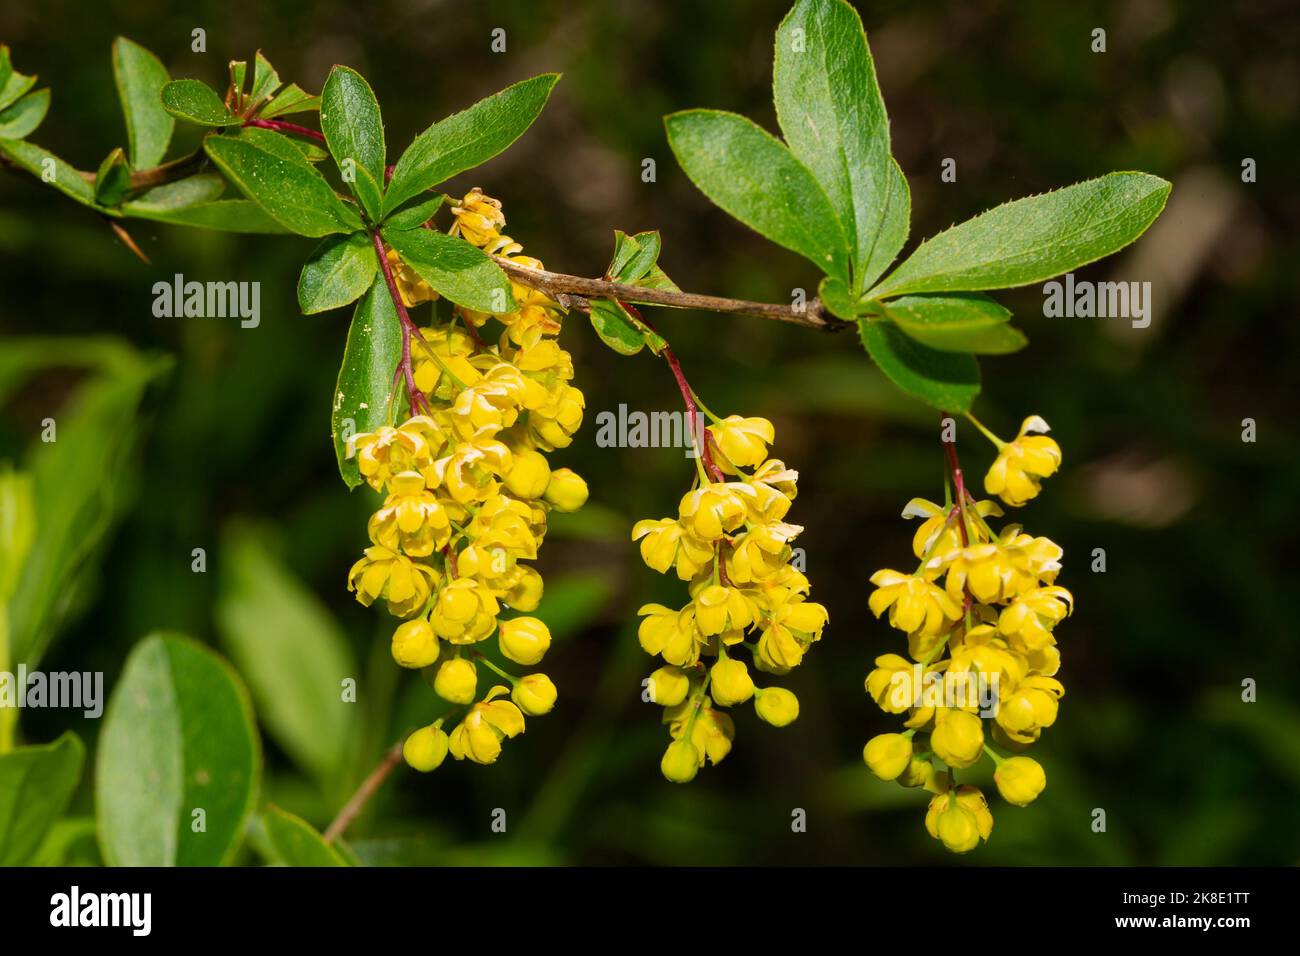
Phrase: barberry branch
[369,787]
[419,404]
[576,290]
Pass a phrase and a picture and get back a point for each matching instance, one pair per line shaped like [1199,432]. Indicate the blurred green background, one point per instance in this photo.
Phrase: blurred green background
[229,447]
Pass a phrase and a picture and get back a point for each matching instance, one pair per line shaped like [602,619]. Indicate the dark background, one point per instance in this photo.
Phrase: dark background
[1198,527]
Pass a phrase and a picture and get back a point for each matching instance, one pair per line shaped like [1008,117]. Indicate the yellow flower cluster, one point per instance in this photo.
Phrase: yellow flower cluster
[979,613]
[467,491]
[731,542]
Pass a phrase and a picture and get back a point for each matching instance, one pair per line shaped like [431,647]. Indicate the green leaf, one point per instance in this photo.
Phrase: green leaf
[894,225]
[291,99]
[290,649]
[616,327]
[191,191]
[955,323]
[947,380]
[829,107]
[468,138]
[12,83]
[225,215]
[23,117]
[835,295]
[64,177]
[140,78]
[753,176]
[1033,239]
[338,273]
[17,531]
[178,737]
[454,268]
[265,80]
[414,216]
[195,101]
[296,842]
[354,131]
[365,385]
[36,785]
[633,255]
[113,181]
[272,172]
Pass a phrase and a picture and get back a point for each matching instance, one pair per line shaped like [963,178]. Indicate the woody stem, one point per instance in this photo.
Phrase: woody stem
[352,809]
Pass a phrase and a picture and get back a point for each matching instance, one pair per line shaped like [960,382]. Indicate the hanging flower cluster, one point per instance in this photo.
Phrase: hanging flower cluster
[731,542]
[979,614]
[467,490]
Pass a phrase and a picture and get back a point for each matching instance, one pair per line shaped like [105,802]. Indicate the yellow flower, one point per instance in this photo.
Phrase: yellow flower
[761,551]
[960,819]
[665,543]
[469,473]
[456,681]
[1021,465]
[415,644]
[715,509]
[389,451]
[888,755]
[465,612]
[478,737]
[1020,780]
[528,475]
[791,626]
[681,762]
[938,535]
[524,640]
[742,441]
[553,425]
[567,491]
[412,519]
[403,583]
[535,694]
[425,749]
[731,682]
[525,589]
[721,608]
[776,705]
[670,633]
[478,218]
[711,731]
[410,286]
[892,684]
[958,738]
[1028,620]
[914,604]
[921,772]
[668,686]
[1024,713]
[441,360]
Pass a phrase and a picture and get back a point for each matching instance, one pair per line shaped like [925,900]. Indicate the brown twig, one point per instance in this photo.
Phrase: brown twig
[352,809]
[576,288]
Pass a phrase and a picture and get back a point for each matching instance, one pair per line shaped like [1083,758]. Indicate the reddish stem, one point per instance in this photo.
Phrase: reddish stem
[414,396]
[280,126]
[692,414]
[959,483]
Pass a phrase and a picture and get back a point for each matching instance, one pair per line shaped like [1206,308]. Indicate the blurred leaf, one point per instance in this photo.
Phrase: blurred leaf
[946,380]
[955,323]
[354,130]
[831,113]
[225,215]
[169,197]
[195,101]
[753,176]
[454,268]
[140,78]
[272,172]
[36,784]
[113,181]
[296,842]
[468,138]
[290,651]
[178,738]
[69,842]
[572,601]
[291,99]
[338,273]
[20,119]
[62,176]
[365,388]
[1033,239]
[95,435]
[17,529]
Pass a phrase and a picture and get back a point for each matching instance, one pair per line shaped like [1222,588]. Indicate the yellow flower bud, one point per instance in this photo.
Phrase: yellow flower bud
[425,749]
[524,640]
[920,772]
[888,755]
[681,762]
[957,828]
[776,705]
[567,490]
[456,681]
[534,694]
[528,475]
[415,644]
[731,682]
[1020,780]
[526,593]
[958,738]
[668,686]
